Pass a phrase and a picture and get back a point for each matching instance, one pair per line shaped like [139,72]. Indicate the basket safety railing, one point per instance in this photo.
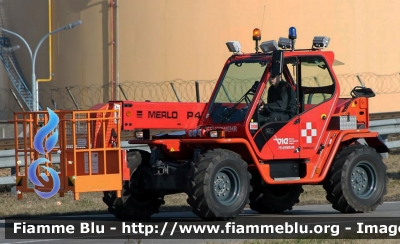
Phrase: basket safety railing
[88,143]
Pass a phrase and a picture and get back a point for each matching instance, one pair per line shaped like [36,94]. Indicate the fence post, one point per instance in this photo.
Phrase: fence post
[176,94]
[359,80]
[72,97]
[123,92]
[197,91]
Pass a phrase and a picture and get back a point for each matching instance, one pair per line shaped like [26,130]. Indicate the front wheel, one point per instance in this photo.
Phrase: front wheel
[357,180]
[220,185]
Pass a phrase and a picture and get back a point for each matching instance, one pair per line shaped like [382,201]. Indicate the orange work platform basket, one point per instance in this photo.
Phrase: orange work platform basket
[87,155]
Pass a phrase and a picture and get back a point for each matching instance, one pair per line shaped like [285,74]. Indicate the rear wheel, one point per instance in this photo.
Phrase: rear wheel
[135,204]
[275,198]
[357,180]
[220,185]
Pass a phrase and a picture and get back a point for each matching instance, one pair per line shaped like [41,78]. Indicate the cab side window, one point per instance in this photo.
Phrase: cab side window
[317,84]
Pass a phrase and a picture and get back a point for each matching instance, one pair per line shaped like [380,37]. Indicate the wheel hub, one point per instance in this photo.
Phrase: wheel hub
[222,184]
[363,180]
[226,185]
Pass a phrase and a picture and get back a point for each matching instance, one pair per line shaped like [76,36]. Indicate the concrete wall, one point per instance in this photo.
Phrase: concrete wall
[165,40]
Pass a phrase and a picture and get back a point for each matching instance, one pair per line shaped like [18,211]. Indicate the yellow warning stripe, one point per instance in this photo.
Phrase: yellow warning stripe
[18,181]
[71,181]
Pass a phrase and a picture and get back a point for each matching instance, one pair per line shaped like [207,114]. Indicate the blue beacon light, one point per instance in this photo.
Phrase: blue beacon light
[292,36]
[292,33]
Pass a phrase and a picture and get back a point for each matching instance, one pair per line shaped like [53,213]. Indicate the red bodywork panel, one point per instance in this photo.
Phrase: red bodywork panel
[158,115]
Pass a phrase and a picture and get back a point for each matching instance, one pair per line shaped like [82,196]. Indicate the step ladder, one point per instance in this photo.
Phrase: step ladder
[14,72]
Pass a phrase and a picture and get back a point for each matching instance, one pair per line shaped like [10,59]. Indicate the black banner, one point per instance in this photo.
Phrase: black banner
[262,227]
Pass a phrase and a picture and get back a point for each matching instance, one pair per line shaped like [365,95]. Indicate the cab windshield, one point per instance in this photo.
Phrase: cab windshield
[235,92]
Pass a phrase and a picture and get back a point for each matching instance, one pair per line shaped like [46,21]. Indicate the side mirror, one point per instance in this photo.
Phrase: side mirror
[277,62]
[360,91]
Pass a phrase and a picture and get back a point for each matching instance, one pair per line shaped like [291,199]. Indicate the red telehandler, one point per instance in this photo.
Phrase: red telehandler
[223,154]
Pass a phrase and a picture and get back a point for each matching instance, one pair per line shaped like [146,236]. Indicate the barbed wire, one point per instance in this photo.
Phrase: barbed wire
[84,97]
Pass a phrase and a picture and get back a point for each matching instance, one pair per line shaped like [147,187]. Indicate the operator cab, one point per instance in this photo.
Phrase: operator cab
[244,82]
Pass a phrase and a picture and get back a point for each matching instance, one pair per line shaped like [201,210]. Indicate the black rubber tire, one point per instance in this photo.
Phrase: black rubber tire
[275,198]
[369,181]
[219,185]
[134,205]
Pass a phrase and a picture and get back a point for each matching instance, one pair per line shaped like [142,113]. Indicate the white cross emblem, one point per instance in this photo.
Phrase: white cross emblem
[308,132]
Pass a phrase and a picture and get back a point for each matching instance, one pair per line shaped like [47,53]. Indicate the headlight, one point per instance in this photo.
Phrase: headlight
[217,133]
[321,41]
[214,134]
[234,46]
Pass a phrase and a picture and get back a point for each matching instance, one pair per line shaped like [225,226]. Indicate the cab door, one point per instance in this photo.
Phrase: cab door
[280,140]
[317,89]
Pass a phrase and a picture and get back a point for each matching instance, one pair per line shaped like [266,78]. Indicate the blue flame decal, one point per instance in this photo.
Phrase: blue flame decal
[50,143]
[35,180]
[44,131]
